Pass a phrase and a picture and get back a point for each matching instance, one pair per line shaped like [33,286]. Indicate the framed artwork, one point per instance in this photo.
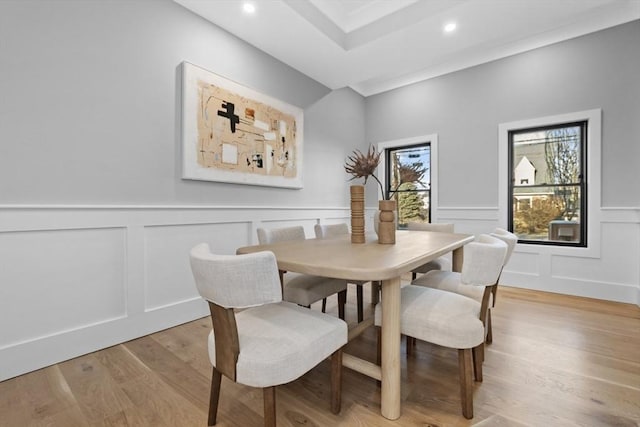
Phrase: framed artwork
[231,133]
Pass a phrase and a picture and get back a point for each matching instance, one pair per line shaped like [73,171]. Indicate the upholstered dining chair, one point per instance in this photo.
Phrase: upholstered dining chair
[324,231]
[441,263]
[304,289]
[452,320]
[511,240]
[451,281]
[268,343]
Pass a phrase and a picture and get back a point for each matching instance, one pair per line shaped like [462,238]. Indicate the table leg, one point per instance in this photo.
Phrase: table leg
[390,393]
[458,255]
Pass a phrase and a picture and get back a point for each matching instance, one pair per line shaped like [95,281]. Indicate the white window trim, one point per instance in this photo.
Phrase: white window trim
[594,143]
[432,139]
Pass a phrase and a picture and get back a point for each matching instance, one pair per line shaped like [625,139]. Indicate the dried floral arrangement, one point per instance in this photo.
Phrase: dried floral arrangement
[361,165]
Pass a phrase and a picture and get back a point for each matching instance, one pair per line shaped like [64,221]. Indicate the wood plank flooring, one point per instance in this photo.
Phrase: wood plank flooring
[555,361]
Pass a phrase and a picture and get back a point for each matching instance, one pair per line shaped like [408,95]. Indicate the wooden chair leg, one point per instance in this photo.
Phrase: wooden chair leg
[494,291]
[489,338]
[379,346]
[379,351]
[375,292]
[478,358]
[360,303]
[410,345]
[269,394]
[324,305]
[216,378]
[342,299]
[336,381]
[466,385]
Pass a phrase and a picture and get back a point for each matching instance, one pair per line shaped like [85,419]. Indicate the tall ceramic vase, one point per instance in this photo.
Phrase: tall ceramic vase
[357,214]
[387,225]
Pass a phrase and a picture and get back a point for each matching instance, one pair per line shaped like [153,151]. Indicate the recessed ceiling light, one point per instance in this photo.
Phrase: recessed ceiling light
[450,27]
[248,7]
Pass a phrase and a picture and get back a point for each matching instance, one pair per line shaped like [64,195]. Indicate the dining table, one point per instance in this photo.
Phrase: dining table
[338,258]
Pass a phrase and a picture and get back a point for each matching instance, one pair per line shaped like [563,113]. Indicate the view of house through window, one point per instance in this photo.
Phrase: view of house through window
[408,182]
[547,184]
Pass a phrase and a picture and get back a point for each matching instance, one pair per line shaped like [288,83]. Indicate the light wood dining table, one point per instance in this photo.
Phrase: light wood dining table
[370,261]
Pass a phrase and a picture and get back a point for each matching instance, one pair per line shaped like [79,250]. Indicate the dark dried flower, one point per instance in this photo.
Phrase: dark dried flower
[361,165]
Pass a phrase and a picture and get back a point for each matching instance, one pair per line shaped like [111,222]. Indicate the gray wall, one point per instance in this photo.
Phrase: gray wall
[600,70]
[89,107]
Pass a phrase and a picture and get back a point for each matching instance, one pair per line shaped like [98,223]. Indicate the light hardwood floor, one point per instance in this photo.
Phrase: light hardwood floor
[555,361]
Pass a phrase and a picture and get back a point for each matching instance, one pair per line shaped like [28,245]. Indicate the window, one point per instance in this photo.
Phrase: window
[408,181]
[590,245]
[547,184]
[396,152]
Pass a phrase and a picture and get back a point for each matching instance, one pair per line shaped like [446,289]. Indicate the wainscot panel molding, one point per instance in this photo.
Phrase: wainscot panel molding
[75,279]
[613,273]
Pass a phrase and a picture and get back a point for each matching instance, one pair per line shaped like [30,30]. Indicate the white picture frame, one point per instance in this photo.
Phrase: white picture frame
[222,119]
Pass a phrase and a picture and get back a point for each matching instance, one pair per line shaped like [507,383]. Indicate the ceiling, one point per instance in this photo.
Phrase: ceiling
[373,46]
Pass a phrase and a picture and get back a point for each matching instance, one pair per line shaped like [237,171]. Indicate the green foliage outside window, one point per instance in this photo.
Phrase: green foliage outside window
[533,219]
[410,204]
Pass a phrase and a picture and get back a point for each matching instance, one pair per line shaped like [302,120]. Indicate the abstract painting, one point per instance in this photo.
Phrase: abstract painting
[231,133]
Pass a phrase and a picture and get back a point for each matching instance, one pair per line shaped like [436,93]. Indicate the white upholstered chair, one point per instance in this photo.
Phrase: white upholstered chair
[441,263]
[270,342]
[330,230]
[324,231]
[452,320]
[511,240]
[304,289]
[451,281]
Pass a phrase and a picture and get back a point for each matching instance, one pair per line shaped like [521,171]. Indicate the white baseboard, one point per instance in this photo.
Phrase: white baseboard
[38,353]
[569,286]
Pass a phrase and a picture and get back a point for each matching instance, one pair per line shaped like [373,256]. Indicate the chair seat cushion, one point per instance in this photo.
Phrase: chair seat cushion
[305,289]
[450,281]
[280,342]
[440,317]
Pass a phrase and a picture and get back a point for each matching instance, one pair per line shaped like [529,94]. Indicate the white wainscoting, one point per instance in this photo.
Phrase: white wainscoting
[613,274]
[75,279]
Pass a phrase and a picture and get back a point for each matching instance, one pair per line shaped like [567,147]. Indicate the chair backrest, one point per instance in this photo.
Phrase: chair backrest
[267,236]
[330,230]
[236,281]
[509,238]
[444,227]
[483,260]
